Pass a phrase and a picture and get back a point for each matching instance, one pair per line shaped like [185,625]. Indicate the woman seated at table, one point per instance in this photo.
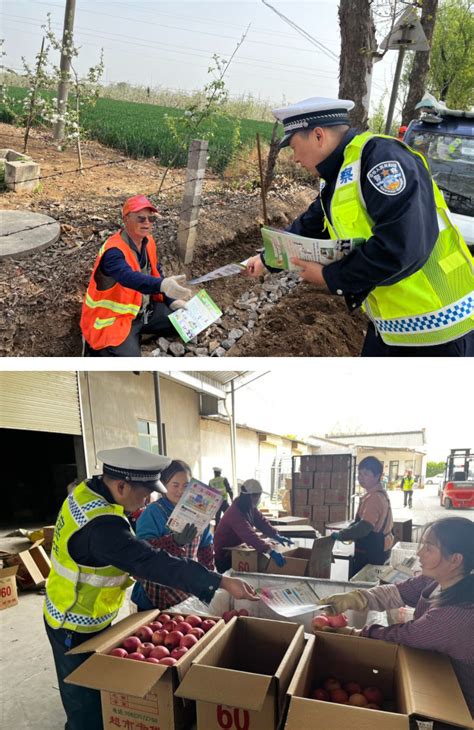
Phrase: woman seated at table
[443,598]
[239,524]
[151,526]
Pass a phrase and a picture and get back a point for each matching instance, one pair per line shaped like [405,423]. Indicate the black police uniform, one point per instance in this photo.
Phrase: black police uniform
[108,540]
[405,231]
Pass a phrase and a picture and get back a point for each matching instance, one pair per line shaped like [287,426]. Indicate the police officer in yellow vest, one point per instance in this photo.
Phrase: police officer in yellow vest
[407,485]
[94,553]
[221,484]
[414,274]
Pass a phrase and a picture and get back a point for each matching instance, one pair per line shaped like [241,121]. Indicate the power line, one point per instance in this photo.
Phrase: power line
[302,32]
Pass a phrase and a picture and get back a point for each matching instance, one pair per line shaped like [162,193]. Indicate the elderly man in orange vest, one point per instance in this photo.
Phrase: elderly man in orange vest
[128,295]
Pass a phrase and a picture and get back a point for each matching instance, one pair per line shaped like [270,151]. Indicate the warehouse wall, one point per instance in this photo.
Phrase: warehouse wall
[215,450]
[405,459]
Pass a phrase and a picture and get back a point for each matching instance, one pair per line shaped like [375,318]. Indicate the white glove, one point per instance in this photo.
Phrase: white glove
[178,304]
[171,287]
[340,602]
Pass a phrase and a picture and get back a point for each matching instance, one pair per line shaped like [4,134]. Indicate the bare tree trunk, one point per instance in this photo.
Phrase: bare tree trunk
[272,158]
[31,112]
[358,46]
[421,63]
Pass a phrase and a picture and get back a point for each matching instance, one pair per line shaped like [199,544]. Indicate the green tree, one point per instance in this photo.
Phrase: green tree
[451,76]
[434,467]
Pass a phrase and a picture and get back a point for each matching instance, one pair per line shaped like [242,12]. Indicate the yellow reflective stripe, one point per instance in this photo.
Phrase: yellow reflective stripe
[113,306]
[99,323]
[91,578]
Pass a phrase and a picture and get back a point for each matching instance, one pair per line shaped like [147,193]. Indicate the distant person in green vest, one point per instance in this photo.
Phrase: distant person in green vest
[95,552]
[407,484]
[221,484]
[413,274]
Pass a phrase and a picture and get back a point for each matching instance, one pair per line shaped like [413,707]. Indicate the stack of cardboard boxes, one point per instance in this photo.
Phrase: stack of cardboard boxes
[322,488]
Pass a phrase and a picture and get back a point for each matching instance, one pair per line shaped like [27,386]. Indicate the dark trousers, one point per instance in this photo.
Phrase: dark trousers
[407,497]
[158,324]
[223,508]
[374,346]
[81,705]
[224,563]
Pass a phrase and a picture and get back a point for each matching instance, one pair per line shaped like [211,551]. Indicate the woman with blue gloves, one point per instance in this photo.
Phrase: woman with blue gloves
[240,524]
[151,526]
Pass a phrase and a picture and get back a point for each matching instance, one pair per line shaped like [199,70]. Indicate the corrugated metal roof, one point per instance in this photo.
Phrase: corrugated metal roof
[222,377]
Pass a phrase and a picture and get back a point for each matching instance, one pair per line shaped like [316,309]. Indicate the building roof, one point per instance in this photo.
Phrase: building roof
[391,439]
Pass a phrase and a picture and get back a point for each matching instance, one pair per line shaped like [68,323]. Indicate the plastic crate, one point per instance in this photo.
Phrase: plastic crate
[405,551]
[368,574]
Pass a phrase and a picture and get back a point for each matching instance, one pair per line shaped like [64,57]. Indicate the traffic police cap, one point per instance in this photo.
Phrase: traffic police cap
[251,486]
[318,111]
[135,465]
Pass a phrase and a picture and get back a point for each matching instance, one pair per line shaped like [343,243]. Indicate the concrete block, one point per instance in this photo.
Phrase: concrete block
[22,176]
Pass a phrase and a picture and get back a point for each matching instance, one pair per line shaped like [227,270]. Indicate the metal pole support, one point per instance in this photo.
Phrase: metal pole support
[187,229]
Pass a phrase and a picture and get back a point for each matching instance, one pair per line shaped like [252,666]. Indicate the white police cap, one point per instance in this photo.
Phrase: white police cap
[318,111]
[251,486]
[135,465]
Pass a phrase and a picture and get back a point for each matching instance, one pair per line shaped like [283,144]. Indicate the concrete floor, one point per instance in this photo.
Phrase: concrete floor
[29,693]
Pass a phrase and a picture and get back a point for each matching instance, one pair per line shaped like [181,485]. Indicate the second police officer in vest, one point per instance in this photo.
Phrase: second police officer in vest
[94,553]
[221,484]
[414,273]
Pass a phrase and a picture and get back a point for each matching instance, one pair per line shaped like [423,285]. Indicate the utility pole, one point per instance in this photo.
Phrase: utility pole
[63,86]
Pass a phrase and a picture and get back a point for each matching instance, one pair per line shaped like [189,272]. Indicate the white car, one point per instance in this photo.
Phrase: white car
[437,479]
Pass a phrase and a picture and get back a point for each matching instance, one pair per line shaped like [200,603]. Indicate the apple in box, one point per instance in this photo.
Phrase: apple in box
[194,620]
[119,652]
[131,643]
[173,639]
[144,633]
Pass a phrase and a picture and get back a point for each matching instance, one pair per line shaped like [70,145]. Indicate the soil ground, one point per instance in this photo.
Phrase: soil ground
[41,295]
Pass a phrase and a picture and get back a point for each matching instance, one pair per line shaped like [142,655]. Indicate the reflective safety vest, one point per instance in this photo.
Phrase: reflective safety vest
[436,303]
[218,483]
[107,314]
[408,483]
[79,597]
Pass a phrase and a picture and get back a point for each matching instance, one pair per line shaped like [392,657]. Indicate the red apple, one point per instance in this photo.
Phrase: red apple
[173,639]
[118,651]
[163,617]
[146,648]
[188,641]
[179,652]
[155,625]
[373,695]
[358,700]
[159,652]
[152,660]
[243,612]
[372,706]
[178,618]
[352,688]
[227,615]
[320,694]
[144,633]
[338,695]
[168,660]
[131,643]
[184,627]
[159,636]
[331,683]
[337,622]
[319,622]
[170,625]
[207,624]
[197,632]
[136,655]
[193,620]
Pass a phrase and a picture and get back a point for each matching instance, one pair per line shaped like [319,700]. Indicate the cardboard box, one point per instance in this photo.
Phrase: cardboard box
[335,496]
[301,497]
[337,512]
[324,462]
[33,566]
[422,685]
[308,463]
[48,533]
[322,480]
[137,692]
[319,526]
[303,480]
[320,514]
[340,480]
[303,511]
[8,590]
[241,679]
[246,559]
[341,462]
[314,562]
[316,497]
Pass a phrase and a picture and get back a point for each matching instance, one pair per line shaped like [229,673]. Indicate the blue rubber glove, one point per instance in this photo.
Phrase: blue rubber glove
[278,558]
[283,540]
[335,535]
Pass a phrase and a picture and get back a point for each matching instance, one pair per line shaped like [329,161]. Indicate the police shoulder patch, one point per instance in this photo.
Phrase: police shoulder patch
[387,177]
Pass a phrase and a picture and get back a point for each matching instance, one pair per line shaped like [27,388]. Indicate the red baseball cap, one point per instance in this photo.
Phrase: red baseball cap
[137,202]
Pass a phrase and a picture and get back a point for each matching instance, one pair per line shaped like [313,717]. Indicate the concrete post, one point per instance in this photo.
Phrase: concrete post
[65,64]
[197,158]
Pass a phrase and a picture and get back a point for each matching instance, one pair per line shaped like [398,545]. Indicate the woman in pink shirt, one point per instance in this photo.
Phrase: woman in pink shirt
[443,598]
[240,523]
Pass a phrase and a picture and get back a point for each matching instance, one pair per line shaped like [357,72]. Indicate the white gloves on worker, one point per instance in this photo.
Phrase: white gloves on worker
[178,304]
[171,286]
[340,602]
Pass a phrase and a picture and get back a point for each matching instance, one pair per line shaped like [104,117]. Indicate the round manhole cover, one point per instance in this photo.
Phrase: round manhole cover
[22,232]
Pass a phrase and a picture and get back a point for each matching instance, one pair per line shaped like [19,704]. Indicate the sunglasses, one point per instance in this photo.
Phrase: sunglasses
[144,218]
